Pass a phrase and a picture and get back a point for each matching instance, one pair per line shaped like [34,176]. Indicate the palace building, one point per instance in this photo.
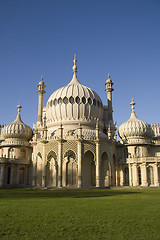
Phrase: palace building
[74,144]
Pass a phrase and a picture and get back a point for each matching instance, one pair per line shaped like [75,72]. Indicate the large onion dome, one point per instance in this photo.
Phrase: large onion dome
[17,129]
[134,128]
[74,103]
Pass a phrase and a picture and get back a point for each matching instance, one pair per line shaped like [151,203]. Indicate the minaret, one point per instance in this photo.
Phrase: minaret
[109,91]
[41,86]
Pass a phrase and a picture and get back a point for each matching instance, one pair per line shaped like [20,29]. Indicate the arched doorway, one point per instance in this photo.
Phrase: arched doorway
[88,170]
[39,170]
[70,169]
[51,170]
[104,176]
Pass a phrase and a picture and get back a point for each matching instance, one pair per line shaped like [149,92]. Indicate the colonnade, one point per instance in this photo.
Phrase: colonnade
[13,174]
[144,174]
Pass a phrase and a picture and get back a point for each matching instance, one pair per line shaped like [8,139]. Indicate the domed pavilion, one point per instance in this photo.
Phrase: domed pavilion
[74,143]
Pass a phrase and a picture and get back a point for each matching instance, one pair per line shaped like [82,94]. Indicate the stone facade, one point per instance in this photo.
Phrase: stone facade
[74,144]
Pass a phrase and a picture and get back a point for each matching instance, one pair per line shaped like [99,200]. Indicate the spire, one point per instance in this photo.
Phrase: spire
[74,79]
[18,118]
[19,107]
[41,78]
[132,105]
[75,66]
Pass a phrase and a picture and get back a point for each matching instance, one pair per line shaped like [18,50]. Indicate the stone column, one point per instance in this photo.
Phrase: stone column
[98,163]
[60,163]
[156,181]
[116,177]
[130,174]
[60,145]
[144,175]
[135,174]
[34,174]
[121,176]
[2,175]
[44,167]
[79,163]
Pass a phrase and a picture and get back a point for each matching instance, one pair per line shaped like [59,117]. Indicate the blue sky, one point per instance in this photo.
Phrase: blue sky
[121,37]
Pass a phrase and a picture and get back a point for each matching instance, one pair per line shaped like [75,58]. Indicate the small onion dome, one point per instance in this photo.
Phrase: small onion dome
[17,129]
[134,128]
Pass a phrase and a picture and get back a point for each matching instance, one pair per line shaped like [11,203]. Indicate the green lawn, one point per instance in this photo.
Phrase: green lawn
[80,214]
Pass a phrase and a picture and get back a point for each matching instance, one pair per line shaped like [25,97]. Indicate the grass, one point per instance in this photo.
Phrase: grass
[119,214]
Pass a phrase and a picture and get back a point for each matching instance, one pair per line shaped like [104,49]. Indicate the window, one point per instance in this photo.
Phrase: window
[71,100]
[65,100]
[77,99]
[84,100]
[60,101]
[89,101]
[55,101]
[137,152]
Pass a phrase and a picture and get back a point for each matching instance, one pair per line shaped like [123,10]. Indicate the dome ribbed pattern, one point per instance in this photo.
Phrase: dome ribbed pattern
[17,129]
[134,128]
[74,102]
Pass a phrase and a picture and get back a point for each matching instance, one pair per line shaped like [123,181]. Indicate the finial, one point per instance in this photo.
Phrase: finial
[108,75]
[41,78]
[75,66]
[19,107]
[132,105]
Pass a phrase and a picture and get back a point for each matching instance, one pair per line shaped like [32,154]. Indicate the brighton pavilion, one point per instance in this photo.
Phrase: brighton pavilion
[74,143]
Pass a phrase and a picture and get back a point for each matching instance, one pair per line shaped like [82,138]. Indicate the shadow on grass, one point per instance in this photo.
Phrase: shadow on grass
[62,193]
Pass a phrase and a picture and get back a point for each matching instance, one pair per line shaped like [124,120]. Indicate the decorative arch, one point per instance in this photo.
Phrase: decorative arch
[70,168]
[70,153]
[105,170]
[51,170]
[51,154]
[88,169]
